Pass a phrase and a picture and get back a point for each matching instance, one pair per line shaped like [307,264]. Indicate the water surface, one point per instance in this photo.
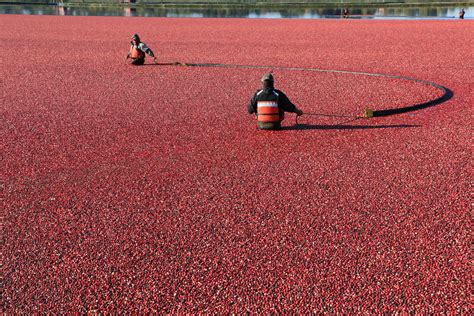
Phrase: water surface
[425,12]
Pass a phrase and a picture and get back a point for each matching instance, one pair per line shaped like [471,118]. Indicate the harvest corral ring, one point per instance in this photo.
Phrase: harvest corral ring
[446,93]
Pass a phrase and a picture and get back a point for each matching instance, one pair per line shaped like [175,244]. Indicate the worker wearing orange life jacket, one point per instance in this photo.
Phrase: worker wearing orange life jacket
[270,104]
[138,50]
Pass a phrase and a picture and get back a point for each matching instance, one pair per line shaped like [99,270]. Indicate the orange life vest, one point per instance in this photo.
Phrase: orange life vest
[268,112]
[135,53]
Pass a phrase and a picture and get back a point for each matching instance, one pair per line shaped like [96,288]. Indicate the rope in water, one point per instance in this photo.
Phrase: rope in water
[353,117]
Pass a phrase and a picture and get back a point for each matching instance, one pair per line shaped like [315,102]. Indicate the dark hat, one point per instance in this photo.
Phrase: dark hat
[135,36]
[267,77]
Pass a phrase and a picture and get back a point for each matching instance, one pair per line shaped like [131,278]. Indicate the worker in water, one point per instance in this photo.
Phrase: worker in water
[270,104]
[138,50]
[345,13]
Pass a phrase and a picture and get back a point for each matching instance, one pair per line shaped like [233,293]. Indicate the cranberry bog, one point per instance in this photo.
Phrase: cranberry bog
[149,188]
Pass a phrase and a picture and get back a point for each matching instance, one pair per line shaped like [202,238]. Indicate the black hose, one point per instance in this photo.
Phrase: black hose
[447,94]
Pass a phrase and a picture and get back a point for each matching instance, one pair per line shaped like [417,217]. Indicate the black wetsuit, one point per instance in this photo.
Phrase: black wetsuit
[145,49]
[271,94]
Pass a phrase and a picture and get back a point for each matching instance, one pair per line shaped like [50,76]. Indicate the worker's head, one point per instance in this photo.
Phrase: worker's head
[267,80]
[135,38]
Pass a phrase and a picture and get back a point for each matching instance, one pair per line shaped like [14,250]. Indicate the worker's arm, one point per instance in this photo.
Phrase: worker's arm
[252,107]
[146,49]
[286,105]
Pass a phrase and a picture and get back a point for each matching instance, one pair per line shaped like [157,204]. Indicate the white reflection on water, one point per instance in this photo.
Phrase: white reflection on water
[269,15]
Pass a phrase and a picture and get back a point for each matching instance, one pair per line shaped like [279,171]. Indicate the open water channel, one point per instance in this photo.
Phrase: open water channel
[424,12]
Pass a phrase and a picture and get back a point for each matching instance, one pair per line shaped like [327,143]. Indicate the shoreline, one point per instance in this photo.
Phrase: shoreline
[243,5]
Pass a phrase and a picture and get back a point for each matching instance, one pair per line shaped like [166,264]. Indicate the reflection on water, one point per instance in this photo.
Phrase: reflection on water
[213,12]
